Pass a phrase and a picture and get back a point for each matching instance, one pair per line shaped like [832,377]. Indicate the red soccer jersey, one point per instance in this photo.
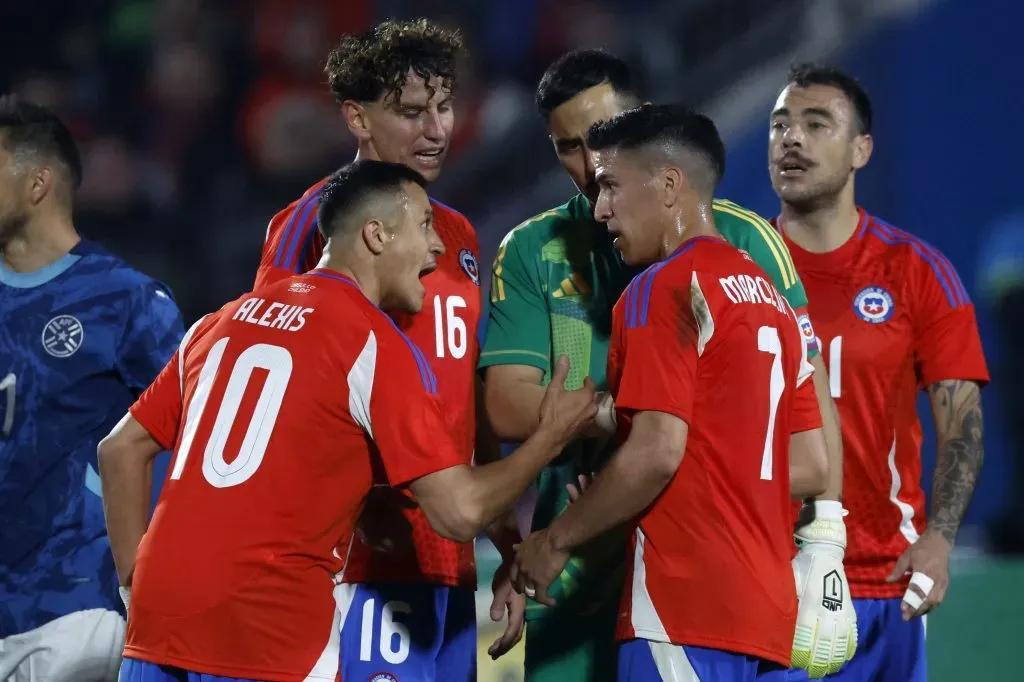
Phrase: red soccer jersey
[446,331]
[279,408]
[705,336]
[892,317]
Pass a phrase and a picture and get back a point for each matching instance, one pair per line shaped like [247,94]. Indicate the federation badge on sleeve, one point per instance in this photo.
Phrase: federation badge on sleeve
[807,331]
[873,305]
[468,262]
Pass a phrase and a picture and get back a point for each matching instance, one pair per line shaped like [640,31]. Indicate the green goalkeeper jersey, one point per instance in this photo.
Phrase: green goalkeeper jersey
[554,282]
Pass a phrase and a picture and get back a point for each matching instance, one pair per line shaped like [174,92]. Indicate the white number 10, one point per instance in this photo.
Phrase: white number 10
[768,342]
[218,473]
[448,319]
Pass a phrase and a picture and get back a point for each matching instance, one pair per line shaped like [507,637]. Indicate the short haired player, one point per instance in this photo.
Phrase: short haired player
[395,86]
[82,335]
[281,409]
[544,304]
[710,377]
[893,318]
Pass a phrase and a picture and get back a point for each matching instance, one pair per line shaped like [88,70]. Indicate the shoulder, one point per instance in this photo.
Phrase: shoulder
[106,276]
[301,210]
[536,231]
[731,216]
[908,253]
[448,214]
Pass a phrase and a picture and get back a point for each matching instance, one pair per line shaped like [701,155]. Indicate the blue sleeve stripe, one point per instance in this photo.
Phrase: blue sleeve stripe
[645,297]
[426,374]
[632,294]
[945,273]
[294,232]
[639,291]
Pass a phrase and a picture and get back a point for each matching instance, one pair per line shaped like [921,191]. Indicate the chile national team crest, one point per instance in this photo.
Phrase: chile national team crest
[873,304]
[468,262]
[62,336]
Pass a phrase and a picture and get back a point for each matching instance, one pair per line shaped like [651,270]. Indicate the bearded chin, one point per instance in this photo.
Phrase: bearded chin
[821,195]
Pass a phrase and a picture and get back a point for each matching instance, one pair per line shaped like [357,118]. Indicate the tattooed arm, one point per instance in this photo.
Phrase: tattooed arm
[956,408]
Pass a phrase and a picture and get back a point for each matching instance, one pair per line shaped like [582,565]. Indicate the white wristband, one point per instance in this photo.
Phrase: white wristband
[829,510]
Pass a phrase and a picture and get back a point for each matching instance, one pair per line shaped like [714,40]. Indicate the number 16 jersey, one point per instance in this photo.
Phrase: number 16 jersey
[446,332]
[279,408]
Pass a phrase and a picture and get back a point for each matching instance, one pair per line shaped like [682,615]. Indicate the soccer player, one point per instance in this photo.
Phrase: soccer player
[708,371]
[395,85]
[281,408]
[554,281]
[83,334]
[893,317]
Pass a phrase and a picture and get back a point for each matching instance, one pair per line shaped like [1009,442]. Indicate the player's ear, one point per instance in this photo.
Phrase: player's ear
[42,183]
[374,236]
[863,145]
[356,119]
[673,184]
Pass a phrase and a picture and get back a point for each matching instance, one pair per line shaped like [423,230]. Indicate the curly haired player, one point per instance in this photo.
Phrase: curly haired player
[394,85]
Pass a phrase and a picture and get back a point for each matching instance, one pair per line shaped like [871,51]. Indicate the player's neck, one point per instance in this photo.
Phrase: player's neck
[39,244]
[821,228]
[701,223]
[361,274]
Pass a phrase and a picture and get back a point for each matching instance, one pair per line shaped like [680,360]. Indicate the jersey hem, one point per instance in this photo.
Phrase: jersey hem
[427,580]
[224,671]
[730,646]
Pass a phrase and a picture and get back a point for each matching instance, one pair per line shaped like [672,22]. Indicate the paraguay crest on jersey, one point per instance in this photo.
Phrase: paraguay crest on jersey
[62,336]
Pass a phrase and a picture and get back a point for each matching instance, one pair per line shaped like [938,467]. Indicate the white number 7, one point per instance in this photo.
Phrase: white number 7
[768,342]
[9,384]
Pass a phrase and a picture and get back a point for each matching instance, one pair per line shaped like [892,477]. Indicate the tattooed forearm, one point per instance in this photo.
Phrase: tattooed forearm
[956,407]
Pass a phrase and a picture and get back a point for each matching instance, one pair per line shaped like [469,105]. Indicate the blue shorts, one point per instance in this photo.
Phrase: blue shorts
[641,660]
[414,633]
[133,670]
[889,649]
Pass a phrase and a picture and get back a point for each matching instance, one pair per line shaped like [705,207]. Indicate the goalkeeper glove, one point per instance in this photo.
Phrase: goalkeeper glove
[826,625]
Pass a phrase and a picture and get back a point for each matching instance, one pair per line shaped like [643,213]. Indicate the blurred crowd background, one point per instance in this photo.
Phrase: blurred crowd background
[198,119]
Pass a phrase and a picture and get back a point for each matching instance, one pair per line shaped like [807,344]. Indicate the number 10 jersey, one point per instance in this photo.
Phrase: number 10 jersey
[281,409]
[446,331]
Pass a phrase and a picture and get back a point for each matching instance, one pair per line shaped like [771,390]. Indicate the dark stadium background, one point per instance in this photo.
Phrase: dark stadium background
[198,119]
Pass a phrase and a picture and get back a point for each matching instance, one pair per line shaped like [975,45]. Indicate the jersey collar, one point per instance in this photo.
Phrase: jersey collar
[30,280]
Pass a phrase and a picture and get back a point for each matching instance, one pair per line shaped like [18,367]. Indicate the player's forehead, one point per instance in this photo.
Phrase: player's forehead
[422,92]
[572,119]
[795,100]
[613,163]
[417,203]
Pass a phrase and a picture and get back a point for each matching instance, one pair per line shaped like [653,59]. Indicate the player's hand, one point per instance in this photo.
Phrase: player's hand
[928,562]
[382,526]
[826,624]
[604,421]
[506,599]
[567,413]
[578,488]
[537,565]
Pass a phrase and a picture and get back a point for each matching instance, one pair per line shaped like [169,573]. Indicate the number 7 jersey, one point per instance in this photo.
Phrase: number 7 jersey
[706,337]
[280,409]
[446,331]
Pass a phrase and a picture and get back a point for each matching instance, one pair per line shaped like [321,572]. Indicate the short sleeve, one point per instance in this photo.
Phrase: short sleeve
[806,413]
[660,335]
[402,410]
[159,407]
[153,331]
[947,344]
[518,322]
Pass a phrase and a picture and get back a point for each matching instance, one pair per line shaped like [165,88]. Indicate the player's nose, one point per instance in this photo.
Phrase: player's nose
[435,245]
